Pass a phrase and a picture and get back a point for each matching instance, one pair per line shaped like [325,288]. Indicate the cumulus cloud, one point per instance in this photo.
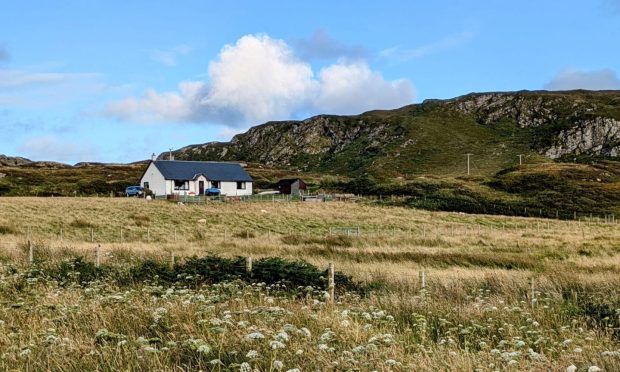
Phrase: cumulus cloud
[568,79]
[259,79]
[322,46]
[49,147]
[354,87]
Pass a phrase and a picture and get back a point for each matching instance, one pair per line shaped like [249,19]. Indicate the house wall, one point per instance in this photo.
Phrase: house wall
[156,180]
[229,188]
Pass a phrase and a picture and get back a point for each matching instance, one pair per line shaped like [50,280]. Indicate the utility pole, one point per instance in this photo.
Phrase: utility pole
[468,155]
[520,159]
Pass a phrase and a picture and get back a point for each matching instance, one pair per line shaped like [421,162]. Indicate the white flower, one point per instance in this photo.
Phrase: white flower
[344,323]
[358,349]
[305,331]
[278,364]
[245,367]
[512,362]
[25,352]
[594,369]
[390,362]
[571,368]
[282,337]
[255,336]
[277,345]
[294,370]
[577,350]
[215,362]
[323,347]
[299,352]
[204,349]
[252,354]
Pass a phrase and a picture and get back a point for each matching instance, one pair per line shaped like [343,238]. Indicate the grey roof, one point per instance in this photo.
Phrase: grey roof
[188,170]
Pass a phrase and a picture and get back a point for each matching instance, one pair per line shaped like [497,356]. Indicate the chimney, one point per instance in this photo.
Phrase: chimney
[153,157]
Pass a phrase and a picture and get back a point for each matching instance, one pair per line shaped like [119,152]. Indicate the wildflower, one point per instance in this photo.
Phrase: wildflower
[327,336]
[294,370]
[577,350]
[149,349]
[252,354]
[25,353]
[452,353]
[305,331]
[323,347]
[299,352]
[345,323]
[215,362]
[571,368]
[359,349]
[567,342]
[277,364]
[245,367]
[277,345]
[282,337]
[512,362]
[204,349]
[594,369]
[520,343]
[390,362]
[255,336]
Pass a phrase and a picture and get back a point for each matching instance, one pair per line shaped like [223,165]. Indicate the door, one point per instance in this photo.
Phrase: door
[201,187]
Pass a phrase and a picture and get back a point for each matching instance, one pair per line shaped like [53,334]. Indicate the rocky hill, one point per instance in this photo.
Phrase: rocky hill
[434,136]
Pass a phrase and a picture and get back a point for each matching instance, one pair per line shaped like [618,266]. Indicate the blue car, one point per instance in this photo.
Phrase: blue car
[212,191]
[134,191]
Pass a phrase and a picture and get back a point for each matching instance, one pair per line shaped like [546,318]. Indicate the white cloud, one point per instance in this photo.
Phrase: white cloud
[12,79]
[353,88]
[400,54]
[4,54]
[569,79]
[169,57]
[49,147]
[259,79]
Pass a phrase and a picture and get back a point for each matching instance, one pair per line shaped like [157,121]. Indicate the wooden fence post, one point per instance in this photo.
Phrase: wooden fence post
[92,235]
[533,293]
[30,253]
[422,279]
[98,255]
[331,283]
[248,265]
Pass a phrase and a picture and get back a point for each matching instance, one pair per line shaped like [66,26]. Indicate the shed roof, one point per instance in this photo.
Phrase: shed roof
[188,170]
[289,181]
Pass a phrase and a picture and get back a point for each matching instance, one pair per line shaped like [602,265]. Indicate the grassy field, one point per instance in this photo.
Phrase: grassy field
[501,293]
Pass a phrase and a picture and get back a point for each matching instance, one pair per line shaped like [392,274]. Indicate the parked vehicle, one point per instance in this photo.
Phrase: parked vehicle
[212,191]
[134,191]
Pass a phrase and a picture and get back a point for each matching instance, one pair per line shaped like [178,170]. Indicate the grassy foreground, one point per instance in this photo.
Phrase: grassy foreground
[501,293]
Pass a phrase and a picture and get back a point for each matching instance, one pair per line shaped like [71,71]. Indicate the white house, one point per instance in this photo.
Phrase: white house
[175,177]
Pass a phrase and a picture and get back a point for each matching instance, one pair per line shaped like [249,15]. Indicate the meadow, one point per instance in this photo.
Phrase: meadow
[500,293]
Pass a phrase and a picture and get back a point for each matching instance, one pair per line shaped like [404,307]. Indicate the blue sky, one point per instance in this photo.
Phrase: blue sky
[115,81]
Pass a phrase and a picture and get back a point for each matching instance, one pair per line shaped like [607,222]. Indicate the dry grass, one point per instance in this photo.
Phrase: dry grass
[472,263]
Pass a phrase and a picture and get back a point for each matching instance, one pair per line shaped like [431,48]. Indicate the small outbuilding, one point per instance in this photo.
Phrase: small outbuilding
[174,177]
[292,186]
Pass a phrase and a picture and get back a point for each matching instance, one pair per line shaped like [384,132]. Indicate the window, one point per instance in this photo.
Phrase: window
[146,185]
[240,185]
[181,185]
[215,184]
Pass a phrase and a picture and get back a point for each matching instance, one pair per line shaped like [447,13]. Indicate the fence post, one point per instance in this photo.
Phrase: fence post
[533,293]
[98,255]
[331,283]
[30,253]
[171,260]
[248,265]
[422,279]
[175,234]
[92,235]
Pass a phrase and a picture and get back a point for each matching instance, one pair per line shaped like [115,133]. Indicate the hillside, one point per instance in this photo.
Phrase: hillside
[434,136]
